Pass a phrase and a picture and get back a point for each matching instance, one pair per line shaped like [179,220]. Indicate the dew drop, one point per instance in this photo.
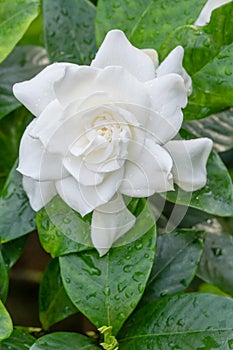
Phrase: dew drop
[121,287]
[230,343]
[66,220]
[170,321]
[140,288]
[180,322]
[146,256]
[127,268]
[67,280]
[227,71]
[217,251]
[139,246]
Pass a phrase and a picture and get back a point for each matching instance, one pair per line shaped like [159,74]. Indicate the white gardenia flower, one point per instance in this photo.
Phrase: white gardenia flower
[207,10]
[106,130]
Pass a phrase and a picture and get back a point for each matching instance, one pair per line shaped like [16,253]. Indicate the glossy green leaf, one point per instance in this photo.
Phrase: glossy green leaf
[22,64]
[54,304]
[216,197]
[34,35]
[69,30]
[19,340]
[188,321]
[210,289]
[3,278]
[216,265]
[208,59]
[16,216]
[177,257]
[61,229]
[64,341]
[11,130]
[15,17]
[147,23]
[6,326]
[107,289]
[212,86]
[218,127]
[12,250]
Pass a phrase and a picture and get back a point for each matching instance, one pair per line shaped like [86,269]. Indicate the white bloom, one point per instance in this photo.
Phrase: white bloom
[105,131]
[206,12]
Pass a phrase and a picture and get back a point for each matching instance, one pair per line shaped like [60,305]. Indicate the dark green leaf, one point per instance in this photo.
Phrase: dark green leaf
[147,23]
[107,289]
[177,258]
[22,64]
[208,59]
[34,34]
[216,197]
[218,127]
[69,30]
[210,289]
[64,341]
[16,216]
[216,265]
[6,326]
[213,86]
[19,340]
[12,250]
[189,321]
[3,279]
[61,229]
[53,300]
[15,17]
[11,130]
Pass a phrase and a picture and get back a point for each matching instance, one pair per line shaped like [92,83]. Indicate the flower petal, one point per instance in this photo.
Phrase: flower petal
[38,92]
[36,162]
[206,12]
[153,54]
[86,198]
[116,50]
[39,193]
[173,64]
[77,168]
[115,82]
[190,158]
[110,221]
[147,171]
[168,96]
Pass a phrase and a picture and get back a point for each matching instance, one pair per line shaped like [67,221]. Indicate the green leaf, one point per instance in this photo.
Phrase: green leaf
[216,264]
[6,326]
[216,197]
[218,127]
[3,279]
[188,321]
[11,130]
[212,86]
[69,30]
[61,229]
[64,341]
[177,257]
[19,340]
[15,17]
[12,250]
[16,216]
[34,35]
[115,282]
[22,64]
[209,288]
[208,59]
[54,304]
[147,23]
